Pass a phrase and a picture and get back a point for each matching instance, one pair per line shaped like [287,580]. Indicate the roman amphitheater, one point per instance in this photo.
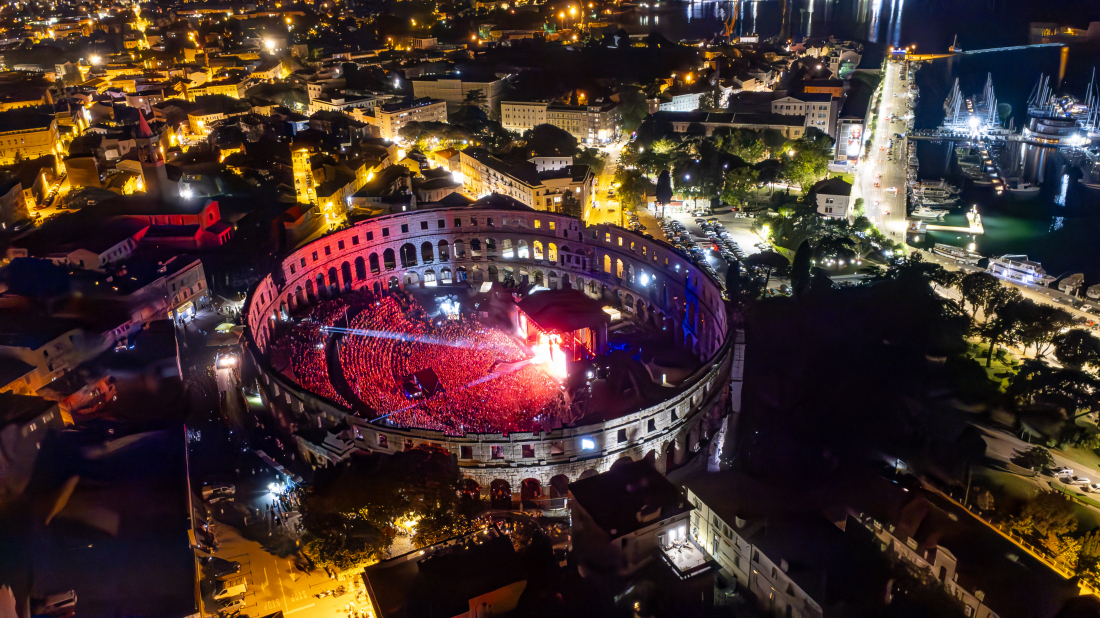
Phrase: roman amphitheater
[535,349]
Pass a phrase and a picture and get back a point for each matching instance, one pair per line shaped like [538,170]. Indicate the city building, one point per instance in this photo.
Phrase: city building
[484,174]
[635,514]
[479,574]
[792,127]
[590,124]
[819,109]
[13,201]
[392,117]
[457,89]
[27,135]
[24,422]
[833,197]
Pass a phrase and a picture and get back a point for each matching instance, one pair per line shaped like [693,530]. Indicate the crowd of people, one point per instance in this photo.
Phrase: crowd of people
[303,345]
[477,394]
[485,385]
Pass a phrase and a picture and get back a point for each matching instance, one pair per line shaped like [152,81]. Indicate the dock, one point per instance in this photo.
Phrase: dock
[919,226]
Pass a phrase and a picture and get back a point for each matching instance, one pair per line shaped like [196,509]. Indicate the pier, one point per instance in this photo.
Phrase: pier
[919,226]
[952,54]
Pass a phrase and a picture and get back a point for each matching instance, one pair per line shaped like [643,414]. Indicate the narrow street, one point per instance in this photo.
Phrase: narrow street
[605,209]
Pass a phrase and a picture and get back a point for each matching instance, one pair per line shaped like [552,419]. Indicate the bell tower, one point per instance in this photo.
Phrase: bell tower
[154,176]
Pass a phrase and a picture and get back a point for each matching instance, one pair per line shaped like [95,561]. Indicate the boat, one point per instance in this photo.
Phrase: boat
[1019,187]
[983,181]
[956,253]
[1020,269]
[924,212]
[946,202]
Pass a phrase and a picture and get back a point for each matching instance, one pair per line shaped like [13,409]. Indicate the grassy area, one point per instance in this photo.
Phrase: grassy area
[848,178]
[999,371]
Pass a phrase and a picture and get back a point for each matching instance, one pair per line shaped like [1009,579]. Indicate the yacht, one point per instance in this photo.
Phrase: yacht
[947,202]
[1020,269]
[956,253]
[924,212]
[1019,187]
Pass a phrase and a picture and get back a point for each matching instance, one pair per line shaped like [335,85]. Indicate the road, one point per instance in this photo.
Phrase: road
[884,207]
[275,585]
[605,209]
[1006,446]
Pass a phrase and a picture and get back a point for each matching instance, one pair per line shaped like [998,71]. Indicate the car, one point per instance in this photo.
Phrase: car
[1077,480]
[219,567]
[1058,299]
[1093,487]
[1086,307]
[233,605]
[1059,472]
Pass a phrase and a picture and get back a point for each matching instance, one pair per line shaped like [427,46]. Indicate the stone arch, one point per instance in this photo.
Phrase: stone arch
[537,247]
[538,278]
[427,252]
[389,258]
[408,255]
[630,273]
[606,263]
[587,474]
[619,268]
[394,283]
[311,292]
[628,302]
[445,276]
[552,252]
[471,489]
[411,278]
[377,288]
[640,310]
[500,494]
[622,461]
[345,273]
[506,248]
[373,262]
[321,284]
[521,250]
[530,489]
[429,277]
[444,253]
[460,274]
[459,247]
[361,268]
[559,486]
[494,273]
[475,247]
[490,246]
[300,294]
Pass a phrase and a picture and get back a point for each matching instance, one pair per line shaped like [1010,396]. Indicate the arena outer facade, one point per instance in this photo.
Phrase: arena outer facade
[482,242]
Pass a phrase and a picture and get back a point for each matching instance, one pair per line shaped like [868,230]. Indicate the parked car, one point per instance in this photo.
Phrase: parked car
[1093,487]
[1077,480]
[1060,472]
[231,606]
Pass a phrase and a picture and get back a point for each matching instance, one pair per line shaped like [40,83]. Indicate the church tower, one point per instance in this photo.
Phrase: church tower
[153,173]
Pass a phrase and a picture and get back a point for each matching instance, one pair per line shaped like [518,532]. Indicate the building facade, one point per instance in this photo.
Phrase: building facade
[391,118]
[590,124]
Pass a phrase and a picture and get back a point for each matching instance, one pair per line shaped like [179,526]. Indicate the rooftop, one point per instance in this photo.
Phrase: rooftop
[615,499]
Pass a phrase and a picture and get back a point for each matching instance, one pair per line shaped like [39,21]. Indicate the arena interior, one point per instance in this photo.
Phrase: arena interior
[536,349]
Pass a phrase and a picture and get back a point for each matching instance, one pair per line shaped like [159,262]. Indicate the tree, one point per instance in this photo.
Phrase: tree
[806,166]
[745,144]
[737,184]
[1035,458]
[591,157]
[664,188]
[633,187]
[1077,348]
[1040,324]
[1074,392]
[1048,513]
[1063,549]
[632,110]
[800,268]
[976,288]
[860,210]
[547,140]
[768,261]
[475,98]
[1004,327]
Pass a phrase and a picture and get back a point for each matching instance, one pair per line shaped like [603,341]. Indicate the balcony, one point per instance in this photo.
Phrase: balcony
[686,558]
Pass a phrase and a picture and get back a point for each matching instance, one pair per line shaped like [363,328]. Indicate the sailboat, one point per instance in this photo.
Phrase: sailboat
[955,49]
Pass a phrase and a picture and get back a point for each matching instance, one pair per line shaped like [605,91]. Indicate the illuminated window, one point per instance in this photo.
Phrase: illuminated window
[588,444]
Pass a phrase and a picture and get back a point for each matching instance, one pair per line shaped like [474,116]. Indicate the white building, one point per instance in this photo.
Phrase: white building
[484,174]
[391,118]
[596,123]
[819,109]
[833,198]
